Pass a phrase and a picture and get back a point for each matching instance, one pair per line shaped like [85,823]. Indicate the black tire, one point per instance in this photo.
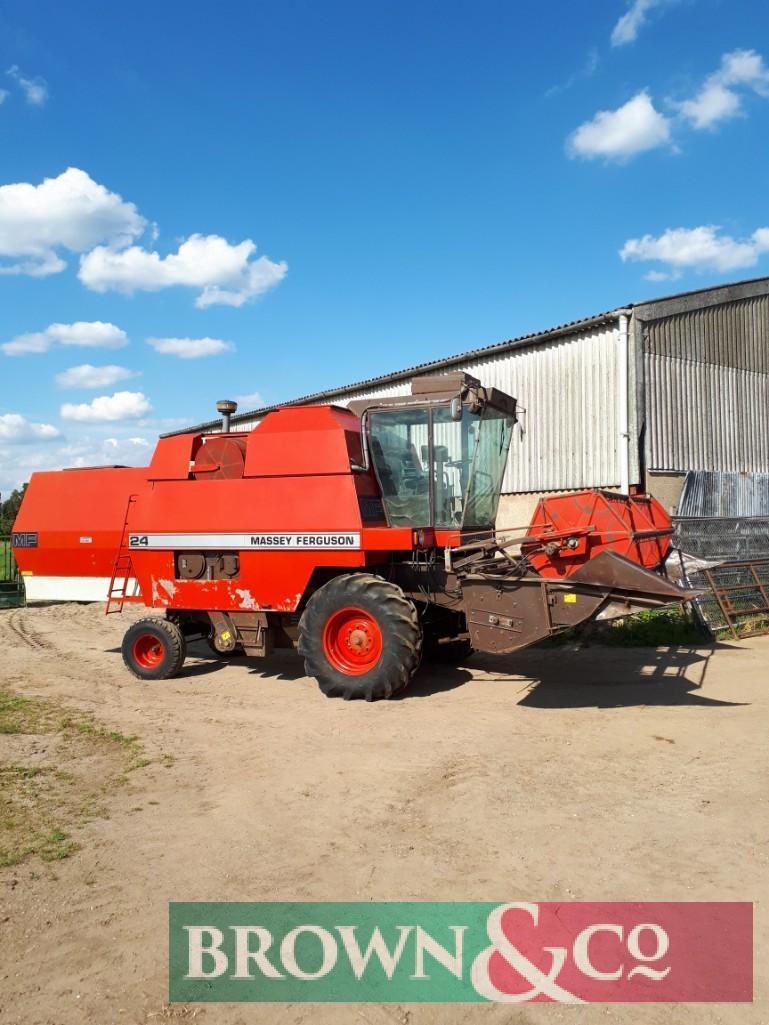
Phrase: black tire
[154,649]
[393,636]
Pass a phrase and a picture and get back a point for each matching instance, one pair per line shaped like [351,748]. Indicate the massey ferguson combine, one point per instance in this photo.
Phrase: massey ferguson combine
[363,536]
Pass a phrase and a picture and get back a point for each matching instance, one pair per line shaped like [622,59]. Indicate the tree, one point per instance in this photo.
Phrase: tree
[9,508]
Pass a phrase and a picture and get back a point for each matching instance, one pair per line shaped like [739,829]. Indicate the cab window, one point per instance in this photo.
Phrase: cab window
[399,442]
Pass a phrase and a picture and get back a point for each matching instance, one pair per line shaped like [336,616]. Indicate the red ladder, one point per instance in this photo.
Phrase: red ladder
[122,572]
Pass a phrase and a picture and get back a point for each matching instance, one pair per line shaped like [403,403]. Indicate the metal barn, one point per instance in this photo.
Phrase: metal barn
[640,395]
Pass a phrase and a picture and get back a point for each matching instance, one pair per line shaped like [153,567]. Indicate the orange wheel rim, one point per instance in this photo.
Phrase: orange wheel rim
[148,651]
[352,641]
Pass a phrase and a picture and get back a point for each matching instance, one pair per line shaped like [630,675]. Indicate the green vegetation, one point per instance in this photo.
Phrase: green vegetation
[9,508]
[655,628]
[77,763]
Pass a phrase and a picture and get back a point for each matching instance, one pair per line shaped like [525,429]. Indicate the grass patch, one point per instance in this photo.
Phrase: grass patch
[88,728]
[78,762]
[26,715]
[654,628]
[33,803]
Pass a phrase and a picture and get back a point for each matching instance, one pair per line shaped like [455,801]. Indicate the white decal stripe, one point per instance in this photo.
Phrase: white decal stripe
[41,588]
[327,540]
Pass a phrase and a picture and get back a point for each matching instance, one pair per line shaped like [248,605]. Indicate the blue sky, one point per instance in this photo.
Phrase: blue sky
[311,194]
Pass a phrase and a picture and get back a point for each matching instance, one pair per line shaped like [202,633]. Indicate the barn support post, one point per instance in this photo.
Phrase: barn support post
[623,423]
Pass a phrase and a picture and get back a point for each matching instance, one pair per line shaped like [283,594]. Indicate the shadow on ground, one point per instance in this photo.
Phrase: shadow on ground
[586,677]
[599,677]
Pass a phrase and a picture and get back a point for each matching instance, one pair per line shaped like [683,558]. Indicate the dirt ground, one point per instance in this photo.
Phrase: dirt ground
[597,774]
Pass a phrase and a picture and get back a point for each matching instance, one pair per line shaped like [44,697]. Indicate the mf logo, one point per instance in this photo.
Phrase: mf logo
[461,952]
[25,539]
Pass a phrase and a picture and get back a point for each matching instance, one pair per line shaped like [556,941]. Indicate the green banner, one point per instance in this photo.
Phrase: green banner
[324,952]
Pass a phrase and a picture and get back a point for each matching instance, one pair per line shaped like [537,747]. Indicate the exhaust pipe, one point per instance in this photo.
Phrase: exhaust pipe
[226,407]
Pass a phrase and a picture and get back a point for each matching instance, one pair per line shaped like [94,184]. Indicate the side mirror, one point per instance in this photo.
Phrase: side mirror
[456,408]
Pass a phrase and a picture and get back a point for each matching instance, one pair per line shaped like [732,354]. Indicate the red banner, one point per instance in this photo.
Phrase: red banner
[619,952]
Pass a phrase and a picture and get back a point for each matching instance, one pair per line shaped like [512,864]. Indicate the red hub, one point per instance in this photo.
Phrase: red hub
[148,651]
[352,641]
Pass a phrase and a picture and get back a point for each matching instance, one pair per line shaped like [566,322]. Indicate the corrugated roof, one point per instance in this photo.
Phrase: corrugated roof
[707,290]
[676,299]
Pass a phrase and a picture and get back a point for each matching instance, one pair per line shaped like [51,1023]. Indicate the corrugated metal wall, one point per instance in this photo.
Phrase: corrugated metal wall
[566,438]
[707,388]
[711,493]
[567,435]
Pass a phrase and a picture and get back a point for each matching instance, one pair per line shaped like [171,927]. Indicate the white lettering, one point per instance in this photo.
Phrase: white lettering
[259,956]
[376,945]
[581,951]
[288,951]
[425,944]
[634,948]
[542,982]
[196,949]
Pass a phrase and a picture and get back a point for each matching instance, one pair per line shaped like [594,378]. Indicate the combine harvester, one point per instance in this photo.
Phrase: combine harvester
[363,536]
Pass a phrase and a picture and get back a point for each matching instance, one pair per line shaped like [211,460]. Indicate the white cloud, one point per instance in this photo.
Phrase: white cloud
[73,213]
[123,405]
[620,134]
[190,348]
[225,274]
[4,94]
[254,400]
[632,21]
[16,429]
[35,89]
[88,376]
[712,104]
[701,248]
[93,334]
[70,212]
[638,126]
[718,100]
[17,463]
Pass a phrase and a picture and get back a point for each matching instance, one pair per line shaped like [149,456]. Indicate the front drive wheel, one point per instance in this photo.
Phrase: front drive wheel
[154,649]
[360,638]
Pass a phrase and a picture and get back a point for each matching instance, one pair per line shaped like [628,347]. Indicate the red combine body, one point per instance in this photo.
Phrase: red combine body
[365,536]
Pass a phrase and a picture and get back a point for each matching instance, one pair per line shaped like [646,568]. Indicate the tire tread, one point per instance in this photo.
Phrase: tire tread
[404,646]
[175,644]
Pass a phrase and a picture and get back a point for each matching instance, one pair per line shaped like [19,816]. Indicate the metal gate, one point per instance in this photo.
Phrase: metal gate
[738,598]
[724,519]
[11,585]
[738,584]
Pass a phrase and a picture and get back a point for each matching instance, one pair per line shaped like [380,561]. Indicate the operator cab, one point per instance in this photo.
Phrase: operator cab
[440,454]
